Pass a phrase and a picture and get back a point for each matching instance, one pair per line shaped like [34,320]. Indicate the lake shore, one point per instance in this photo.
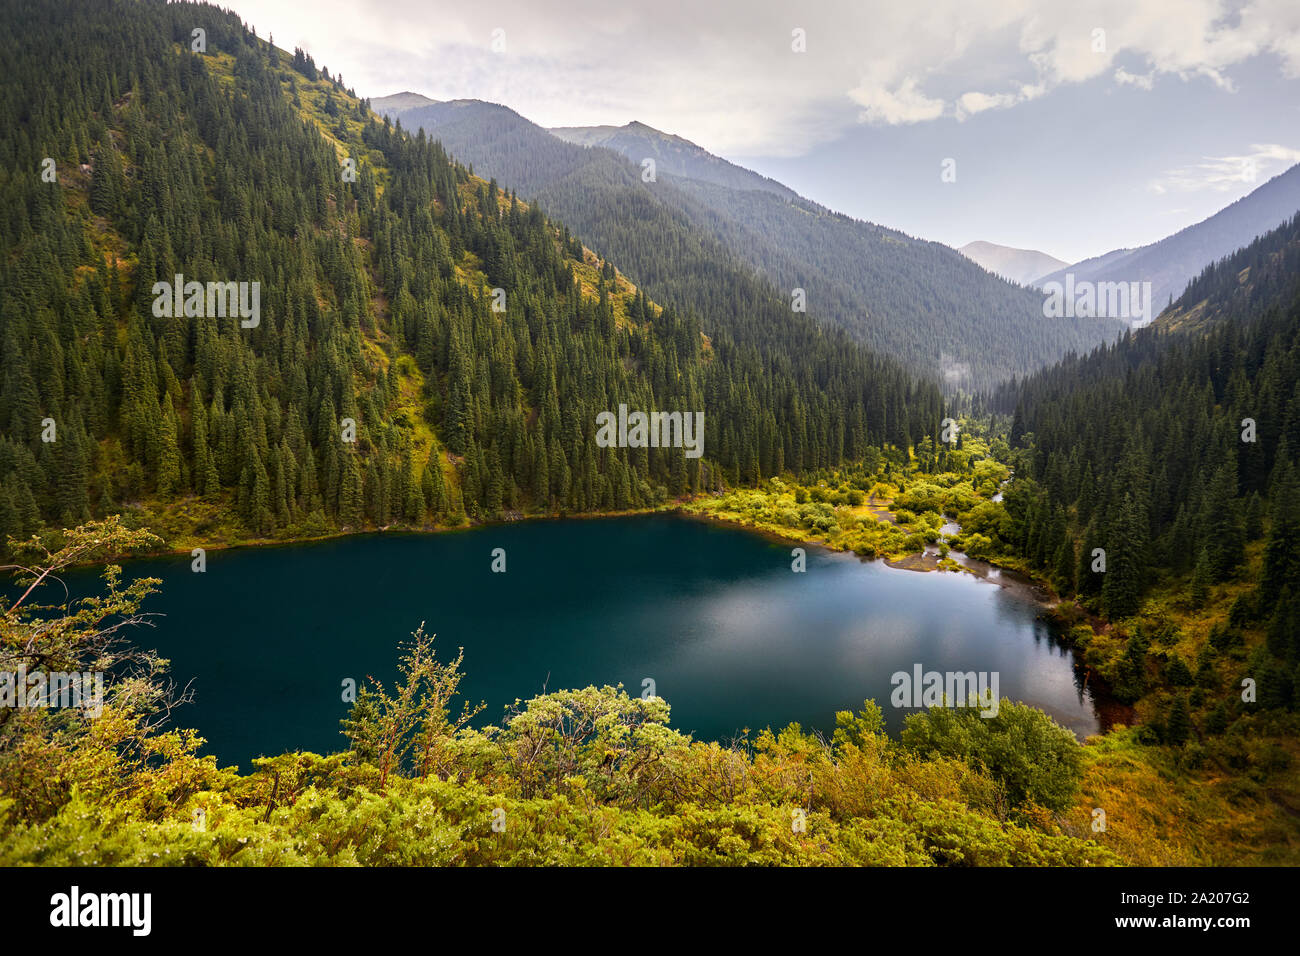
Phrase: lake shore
[926,560]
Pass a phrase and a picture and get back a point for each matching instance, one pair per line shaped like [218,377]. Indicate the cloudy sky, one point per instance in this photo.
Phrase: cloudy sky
[1076,126]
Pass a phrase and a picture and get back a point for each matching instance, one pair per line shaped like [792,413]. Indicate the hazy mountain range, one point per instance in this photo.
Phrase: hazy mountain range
[916,300]
[1172,262]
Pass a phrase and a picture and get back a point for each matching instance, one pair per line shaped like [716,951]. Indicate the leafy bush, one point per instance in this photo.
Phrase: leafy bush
[1034,757]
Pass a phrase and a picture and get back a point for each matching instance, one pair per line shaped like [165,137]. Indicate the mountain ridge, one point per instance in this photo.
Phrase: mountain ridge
[919,301]
[673,154]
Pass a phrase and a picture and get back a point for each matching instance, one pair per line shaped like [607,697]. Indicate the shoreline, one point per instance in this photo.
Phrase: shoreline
[920,561]
[187,549]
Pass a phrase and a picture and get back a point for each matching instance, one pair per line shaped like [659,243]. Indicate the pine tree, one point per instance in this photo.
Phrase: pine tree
[169,460]
[1224,538]
[1282,549]
[1086,580]
[1201,579]
[1065,568]
[71,470]
[1132,674]
[1179,726]
[1125,557]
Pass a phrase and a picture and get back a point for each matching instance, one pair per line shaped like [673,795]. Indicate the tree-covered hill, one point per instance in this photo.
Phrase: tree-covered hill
[1176,444]
[469,340]
[698,229]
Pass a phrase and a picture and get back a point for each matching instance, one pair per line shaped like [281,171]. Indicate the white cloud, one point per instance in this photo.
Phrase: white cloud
[974,103]
[723,73]
[1143,81]
[1224,173]
[906,104]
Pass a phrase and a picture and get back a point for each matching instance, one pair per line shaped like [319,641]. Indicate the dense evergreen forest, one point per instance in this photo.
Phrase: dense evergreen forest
[721,249]
[1175,452]
[377,306]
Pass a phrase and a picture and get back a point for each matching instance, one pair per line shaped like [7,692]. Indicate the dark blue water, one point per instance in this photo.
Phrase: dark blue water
[730,635]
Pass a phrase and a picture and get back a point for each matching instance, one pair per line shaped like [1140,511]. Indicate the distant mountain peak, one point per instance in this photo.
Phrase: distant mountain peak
[672,154]
[645,129]
[1017,265]
[405,100]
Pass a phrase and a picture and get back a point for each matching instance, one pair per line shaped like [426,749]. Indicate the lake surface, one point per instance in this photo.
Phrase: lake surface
[731,636]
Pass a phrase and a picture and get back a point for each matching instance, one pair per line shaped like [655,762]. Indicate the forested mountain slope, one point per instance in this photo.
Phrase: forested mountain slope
[377,308]
[687,239]
[1157,485]
[1240,285]
[1175,452]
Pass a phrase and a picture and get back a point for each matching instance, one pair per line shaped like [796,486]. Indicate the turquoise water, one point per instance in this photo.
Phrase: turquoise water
[713,615]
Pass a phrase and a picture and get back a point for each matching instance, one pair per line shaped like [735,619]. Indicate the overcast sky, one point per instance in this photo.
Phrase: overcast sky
[1076,126]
